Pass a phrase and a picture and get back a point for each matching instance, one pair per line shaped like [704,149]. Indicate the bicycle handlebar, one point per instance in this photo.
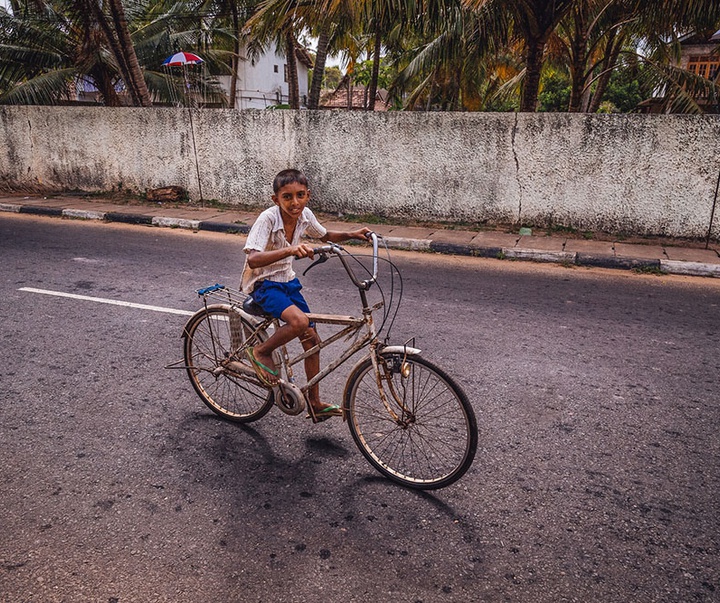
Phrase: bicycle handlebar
[337,249]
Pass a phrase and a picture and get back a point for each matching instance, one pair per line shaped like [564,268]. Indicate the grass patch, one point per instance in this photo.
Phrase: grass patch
[656,270]
[560,229]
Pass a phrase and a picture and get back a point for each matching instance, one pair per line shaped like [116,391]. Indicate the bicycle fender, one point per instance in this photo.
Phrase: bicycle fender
[389,349]
[401,349]
[253,320]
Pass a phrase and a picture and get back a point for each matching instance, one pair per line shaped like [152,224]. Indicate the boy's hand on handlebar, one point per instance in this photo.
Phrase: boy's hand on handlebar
[303,251]
[362,234]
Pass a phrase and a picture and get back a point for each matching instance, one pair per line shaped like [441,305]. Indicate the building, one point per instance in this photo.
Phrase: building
[263,82]
[352,96]
[700,55]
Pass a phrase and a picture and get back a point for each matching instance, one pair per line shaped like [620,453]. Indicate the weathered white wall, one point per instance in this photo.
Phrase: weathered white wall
[644,174]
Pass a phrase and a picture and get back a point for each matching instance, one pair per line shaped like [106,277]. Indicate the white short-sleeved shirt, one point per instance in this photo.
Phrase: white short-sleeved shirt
[268,234]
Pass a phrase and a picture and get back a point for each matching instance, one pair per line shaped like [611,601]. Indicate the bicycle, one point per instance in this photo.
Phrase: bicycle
[410,420]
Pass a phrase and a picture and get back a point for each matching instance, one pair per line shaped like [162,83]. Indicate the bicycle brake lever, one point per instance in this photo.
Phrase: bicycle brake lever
[321,258]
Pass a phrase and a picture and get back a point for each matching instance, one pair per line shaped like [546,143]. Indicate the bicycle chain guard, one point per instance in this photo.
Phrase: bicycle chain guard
[289,398]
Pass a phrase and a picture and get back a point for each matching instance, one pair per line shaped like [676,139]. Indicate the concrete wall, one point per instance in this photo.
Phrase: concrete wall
[641,174]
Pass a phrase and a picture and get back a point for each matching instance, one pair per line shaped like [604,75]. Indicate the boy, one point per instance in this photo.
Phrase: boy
[272,244]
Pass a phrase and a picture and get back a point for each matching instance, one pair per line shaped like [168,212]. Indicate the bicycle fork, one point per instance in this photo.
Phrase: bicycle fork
[384,373]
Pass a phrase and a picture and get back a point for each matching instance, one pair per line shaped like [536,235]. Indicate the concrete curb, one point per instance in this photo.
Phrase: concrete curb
[83,214]
[224,227]
[559,257]
[576,258]
[690,268]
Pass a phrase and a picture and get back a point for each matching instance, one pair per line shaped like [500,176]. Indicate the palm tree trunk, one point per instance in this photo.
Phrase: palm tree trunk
[112,41]
[375,68]
[613,48]
[533,67]
[106,88]
[293,83]
[578,58]
[319,68]
[236,53]
[128,51]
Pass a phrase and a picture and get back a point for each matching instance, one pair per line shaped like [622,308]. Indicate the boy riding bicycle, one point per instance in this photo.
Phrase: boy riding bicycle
[268,276]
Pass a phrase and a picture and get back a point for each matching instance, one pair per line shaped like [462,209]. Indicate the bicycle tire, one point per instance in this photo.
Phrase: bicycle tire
[211,336]
[433,441]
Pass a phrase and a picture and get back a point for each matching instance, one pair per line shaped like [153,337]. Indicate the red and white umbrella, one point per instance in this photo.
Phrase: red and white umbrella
[182,58]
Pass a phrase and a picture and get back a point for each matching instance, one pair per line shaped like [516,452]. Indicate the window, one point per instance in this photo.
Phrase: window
[704,65]
[275,69]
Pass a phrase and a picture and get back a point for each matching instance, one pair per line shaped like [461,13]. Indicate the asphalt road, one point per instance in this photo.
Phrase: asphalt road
[596,477]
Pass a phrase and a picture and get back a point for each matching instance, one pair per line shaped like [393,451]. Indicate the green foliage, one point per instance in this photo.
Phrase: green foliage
[624,91]
[555,92]
[464,56]
[607,107]
[363,73]
[331,77]
[50,47]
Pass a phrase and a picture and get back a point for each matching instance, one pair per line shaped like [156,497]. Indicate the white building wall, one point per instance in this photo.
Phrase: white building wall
[261,83]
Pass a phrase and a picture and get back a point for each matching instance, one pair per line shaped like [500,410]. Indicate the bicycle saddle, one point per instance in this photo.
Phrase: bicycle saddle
[252,308]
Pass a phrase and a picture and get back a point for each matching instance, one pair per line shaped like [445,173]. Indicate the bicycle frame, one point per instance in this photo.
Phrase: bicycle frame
[353,326]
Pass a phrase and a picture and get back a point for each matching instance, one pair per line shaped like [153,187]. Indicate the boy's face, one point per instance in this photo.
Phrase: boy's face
[292,199]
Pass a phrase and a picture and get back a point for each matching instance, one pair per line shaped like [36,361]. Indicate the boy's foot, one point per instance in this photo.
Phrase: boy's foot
[322,412]
[267,375]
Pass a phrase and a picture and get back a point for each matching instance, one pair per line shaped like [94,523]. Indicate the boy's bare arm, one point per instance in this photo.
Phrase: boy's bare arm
[336,236]
[258,259]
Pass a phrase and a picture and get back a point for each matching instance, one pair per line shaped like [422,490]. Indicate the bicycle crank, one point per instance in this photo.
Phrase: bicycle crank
[289,398]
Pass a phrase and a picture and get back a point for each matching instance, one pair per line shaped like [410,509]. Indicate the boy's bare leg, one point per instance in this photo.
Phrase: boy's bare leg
[296,323]
[309,339]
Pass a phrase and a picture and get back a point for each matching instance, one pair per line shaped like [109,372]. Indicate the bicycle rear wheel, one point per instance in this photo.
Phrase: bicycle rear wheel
[427,438]
[215,338]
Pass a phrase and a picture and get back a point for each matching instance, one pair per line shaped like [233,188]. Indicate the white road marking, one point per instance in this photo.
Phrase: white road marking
[103,300]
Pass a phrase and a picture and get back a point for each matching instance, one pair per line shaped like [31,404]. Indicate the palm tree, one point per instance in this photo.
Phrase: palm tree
[118,38]
[48,52]
[49,46]
[535,20]
[590,39]
[333,24]
[463,59]
[381,17]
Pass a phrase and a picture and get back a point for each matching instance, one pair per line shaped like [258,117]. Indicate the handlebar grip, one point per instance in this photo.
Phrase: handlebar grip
[326,248]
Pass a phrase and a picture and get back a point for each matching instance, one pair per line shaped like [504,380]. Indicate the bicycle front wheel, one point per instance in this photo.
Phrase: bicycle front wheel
[425,435]
[215,339]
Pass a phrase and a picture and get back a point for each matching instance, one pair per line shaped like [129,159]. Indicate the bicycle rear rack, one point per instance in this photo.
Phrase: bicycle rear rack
[222,294]
[215,294]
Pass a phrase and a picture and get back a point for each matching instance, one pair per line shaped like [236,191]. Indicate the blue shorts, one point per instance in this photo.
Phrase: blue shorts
[275,298]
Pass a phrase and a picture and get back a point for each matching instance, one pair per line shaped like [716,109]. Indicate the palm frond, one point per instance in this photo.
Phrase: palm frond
[45,89]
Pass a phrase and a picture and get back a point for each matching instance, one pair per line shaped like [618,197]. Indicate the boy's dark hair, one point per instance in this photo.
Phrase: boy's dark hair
[288,177]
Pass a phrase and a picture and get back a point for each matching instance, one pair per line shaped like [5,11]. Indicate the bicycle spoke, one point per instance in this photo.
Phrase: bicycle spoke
[212,337]
[433,440]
